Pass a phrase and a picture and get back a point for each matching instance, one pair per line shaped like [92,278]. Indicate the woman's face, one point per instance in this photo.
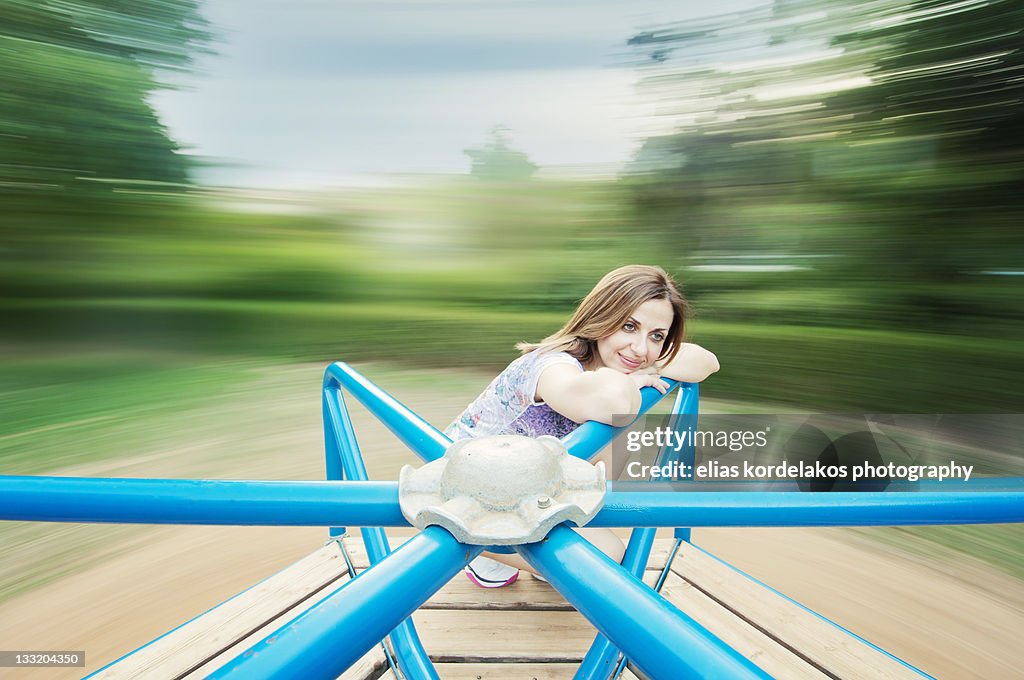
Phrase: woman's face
[638,343]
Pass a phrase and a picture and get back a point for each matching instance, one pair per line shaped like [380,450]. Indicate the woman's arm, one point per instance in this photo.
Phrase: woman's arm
[588,395]
[692,363]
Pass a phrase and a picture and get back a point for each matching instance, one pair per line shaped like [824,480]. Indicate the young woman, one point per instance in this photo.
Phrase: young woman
[626,334]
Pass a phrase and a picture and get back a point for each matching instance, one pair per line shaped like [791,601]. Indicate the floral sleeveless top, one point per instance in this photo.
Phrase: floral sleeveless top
[507,406]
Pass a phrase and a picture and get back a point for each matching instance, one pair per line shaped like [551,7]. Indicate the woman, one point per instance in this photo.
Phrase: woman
[626,334]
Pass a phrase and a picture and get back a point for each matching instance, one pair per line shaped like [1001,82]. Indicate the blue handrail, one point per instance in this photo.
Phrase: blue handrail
[307,503]
[599,661]
[661,640]
[422,438]
[334,633]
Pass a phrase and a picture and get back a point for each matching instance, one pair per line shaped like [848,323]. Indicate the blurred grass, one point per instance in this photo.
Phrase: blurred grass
[78,410]
[61,411]
[819,368]
[1000,545]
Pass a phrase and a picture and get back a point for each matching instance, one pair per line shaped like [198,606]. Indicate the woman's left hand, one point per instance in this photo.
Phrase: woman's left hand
[649,380]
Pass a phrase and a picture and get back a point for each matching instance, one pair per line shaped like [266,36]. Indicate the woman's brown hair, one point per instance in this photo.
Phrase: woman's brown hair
[611,302]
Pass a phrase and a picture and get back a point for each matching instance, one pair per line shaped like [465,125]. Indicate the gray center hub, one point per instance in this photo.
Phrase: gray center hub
[502,490]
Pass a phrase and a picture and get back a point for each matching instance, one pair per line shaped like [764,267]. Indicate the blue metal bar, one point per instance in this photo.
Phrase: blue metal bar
[425,440]
[362,503]
[199,501]
[312,503]
[332,460]
[335,470]
[657,588]
[410,655]
[590,437]
[792,509]
[600,659]
[948,486]
[661,640]
[339,431]
[331,636]
[687,406]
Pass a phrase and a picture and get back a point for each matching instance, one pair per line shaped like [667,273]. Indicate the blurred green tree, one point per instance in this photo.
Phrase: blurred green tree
[75,76]
[79,138]
[906,116]
[497,160]
[946,98]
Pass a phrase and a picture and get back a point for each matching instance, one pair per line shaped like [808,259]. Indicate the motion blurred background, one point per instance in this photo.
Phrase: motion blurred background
[190,187]
[837,185]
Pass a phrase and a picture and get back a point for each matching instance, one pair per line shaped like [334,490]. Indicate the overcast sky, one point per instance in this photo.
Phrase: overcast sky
[309,93]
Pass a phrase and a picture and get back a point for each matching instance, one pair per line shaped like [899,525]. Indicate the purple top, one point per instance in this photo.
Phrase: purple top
[509,406]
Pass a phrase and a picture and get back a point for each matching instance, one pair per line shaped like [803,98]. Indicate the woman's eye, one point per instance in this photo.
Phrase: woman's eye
[629,327]
[658,337]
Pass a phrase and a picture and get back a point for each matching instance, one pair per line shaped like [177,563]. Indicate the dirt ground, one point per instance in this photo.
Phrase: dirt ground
[953,619]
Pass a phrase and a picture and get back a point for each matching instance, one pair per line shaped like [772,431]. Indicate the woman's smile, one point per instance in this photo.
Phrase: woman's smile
[631,364]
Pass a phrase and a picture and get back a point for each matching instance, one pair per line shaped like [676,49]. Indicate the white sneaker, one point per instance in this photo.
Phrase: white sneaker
[488,573]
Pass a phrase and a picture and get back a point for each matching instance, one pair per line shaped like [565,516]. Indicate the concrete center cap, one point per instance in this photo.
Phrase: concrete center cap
[502,490]
[500,472]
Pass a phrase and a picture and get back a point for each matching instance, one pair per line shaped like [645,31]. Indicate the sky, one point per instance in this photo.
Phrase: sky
[319,93]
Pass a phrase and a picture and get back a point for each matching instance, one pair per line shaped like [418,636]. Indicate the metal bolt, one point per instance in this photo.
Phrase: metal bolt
[544,502]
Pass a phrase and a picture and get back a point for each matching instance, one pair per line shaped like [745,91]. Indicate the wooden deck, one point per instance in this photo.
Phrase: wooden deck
[526,630]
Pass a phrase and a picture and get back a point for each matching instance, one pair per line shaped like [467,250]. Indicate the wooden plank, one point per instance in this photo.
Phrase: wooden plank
[809,636]
[371,666]
[775,659]
[506,671]
[353,545]
[461,593]
[525,593]
[368,667]
[195,643]
[659,553]
[504,636]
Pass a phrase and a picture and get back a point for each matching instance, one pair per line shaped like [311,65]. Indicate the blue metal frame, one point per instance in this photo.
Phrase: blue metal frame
[663,641]
[333,634]
[424,440]
[196,501]
[600,660]
[970,504]
[306,503]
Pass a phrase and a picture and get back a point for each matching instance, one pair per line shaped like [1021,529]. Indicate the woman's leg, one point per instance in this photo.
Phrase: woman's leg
[603,539]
